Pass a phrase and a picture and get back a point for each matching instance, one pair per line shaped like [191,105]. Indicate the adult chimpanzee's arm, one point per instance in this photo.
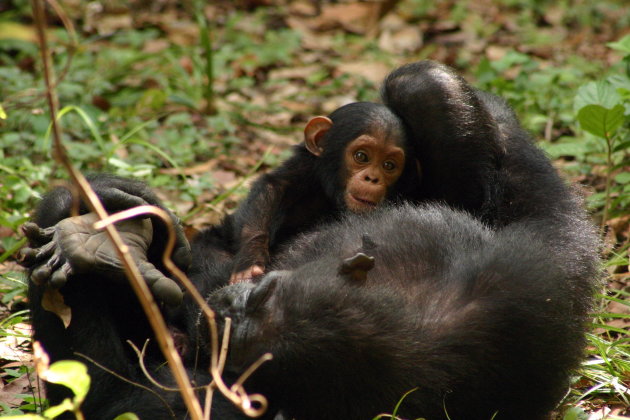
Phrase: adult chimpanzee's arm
[104,312]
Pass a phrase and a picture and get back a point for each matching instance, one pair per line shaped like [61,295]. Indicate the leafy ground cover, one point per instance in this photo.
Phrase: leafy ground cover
[198,98]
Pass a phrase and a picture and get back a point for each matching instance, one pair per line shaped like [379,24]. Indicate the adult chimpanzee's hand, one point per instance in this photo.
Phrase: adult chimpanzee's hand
[73,246]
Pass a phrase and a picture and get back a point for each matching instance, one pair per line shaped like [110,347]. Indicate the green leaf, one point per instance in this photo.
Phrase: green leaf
[557,150]
[622,45]
[3,114]
[623,178]
[57,410]
[127,416]
[72,374]
[89,122]
[575,413]
[596,93]
[622,146]
[601,121]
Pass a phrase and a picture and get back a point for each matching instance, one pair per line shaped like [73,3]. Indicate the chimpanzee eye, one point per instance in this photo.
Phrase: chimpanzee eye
[389,165]
[360,156]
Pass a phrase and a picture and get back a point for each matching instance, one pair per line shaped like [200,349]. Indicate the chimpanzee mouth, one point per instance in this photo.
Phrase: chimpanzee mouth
[362,201]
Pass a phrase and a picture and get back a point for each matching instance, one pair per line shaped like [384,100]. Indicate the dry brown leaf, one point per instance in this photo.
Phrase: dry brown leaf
[296,107]
[375,72]
[13,392]
[182,32]
[224,178]
[15,345]
[155,45]
[109,24]
[191,170]
[618,308]
[353,17]
[310,40]
[294,72]
[496,53]
[5,232]
[405,40]
[53,302]
[335,102]
[620,225]
[302,8]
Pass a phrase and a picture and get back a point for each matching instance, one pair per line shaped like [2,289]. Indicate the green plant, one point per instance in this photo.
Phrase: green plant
[69,373]
[603,111]
[394,414]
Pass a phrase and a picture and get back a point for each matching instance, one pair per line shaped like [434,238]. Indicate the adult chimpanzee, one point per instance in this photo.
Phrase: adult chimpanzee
[477,321]
[483,323]
[348,161]
[481,320]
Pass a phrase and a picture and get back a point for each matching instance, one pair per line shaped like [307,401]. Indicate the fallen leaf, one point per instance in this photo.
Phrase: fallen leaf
[375,72]
[155,45]
[192,170]
[15,345]
[302,8]
[335,102]
[109,24]
[11,30]
[353,17]
[223,178]
[53,302]
[13,392]
[405,40]
[294,72]
[5,232]
[495,52]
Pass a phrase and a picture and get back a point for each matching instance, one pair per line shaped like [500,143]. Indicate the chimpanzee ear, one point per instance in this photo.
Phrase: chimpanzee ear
[314,133]
[356,268]
[262,291]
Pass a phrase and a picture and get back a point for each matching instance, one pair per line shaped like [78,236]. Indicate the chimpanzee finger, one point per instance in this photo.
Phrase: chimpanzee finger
[46,251]
[27,257]
[37,235]
[115,200]
[60,277]
[42,273]
[182,256]
[162,287]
